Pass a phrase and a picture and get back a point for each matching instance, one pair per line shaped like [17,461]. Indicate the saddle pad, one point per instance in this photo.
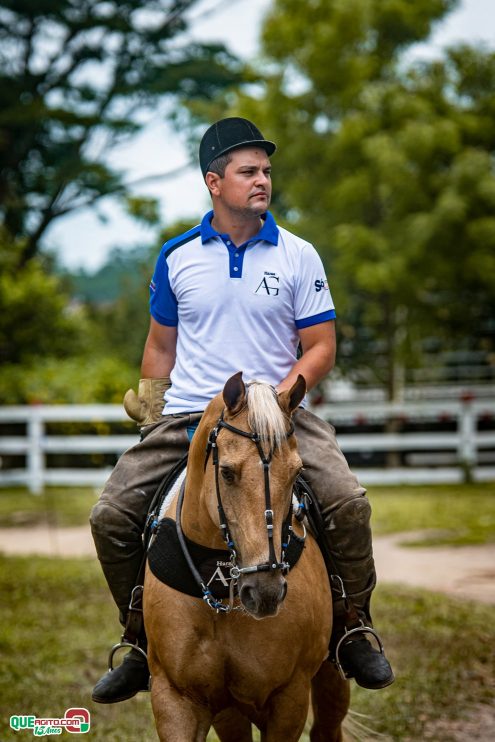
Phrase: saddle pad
[173,490]
[168,564]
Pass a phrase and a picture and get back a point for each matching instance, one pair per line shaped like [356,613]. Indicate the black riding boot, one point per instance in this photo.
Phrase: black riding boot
[133,674]
[345,539]
[368,666]
[125,680]
[357,657]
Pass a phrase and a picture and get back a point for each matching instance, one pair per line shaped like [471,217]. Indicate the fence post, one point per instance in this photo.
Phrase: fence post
[35,457]
[467,437]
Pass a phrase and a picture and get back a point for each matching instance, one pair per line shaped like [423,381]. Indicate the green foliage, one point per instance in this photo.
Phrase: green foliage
[124,272]
[77,380]
[35,319]
[388,169]
[116,298]
[75,79]
[52,351]
[84,350]
[144,209]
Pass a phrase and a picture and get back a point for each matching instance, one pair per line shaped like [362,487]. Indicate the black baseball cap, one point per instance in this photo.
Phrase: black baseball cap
[228,134]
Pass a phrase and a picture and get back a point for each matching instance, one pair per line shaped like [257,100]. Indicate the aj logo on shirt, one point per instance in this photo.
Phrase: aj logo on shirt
[269,284]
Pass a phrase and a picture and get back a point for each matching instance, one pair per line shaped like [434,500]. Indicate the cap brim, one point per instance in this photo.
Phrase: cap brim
[269,148]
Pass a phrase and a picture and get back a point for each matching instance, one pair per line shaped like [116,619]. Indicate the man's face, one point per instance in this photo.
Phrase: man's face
[246,187]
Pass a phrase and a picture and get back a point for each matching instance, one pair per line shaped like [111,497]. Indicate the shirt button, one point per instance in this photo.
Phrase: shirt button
[236,255]
[229,242]
[236,268]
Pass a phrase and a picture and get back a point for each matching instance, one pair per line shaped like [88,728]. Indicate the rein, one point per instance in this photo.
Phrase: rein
[235,572]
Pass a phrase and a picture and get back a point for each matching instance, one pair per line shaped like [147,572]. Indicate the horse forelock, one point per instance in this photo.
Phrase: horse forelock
[265,415]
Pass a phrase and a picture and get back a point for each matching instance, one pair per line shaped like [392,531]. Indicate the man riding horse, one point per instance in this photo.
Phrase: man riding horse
[236,292]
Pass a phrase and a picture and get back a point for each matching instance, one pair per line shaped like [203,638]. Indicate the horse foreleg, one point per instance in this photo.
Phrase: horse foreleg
[330,695]
[177,718]
[287,712]
[232,726]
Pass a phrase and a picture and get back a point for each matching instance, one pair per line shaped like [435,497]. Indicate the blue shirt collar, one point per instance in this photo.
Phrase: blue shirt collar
[268,232]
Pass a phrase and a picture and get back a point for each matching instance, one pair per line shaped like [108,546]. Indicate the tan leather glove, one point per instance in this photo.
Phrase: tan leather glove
[147,405]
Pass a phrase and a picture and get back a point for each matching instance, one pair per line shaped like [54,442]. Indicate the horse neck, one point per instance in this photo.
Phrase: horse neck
[196,521]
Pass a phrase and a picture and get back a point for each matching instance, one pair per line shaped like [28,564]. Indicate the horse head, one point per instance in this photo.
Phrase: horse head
[249,485]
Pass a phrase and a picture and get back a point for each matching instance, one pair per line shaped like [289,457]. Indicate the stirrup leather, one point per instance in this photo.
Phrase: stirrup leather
[133,627]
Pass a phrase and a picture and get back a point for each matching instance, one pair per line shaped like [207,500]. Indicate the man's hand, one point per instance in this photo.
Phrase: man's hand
[147,405]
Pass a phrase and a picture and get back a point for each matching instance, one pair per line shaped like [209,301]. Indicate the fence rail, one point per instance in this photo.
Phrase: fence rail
[466,452]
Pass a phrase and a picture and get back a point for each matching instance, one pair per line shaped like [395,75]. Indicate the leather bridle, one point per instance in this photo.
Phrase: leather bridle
[235,572]
[272,564]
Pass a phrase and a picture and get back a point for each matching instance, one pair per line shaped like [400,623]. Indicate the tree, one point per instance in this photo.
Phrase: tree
[76,76]
[34,316]
[388,168]
[115,298]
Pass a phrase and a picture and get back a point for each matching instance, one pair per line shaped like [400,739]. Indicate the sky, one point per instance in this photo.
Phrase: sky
[84,239]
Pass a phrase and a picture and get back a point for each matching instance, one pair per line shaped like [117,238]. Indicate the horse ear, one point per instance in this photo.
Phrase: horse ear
[234,393]
[291,398]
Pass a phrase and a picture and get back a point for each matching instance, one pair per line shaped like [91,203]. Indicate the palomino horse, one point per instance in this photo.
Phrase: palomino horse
[227,668]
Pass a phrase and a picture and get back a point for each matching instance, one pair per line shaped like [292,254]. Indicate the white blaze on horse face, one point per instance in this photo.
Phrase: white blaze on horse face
[255,506]
[243,496]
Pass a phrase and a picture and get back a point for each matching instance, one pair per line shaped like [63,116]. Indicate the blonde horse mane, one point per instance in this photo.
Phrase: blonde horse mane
[265,416]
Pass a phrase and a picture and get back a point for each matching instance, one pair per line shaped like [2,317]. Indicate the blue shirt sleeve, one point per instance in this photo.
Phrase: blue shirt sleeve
[163,303]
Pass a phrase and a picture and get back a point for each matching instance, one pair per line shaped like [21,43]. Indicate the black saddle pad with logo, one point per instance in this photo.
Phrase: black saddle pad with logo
[168,564]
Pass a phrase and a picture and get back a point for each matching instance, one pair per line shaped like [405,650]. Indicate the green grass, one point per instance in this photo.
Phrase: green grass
[57,623]
[454,514]
[63,506]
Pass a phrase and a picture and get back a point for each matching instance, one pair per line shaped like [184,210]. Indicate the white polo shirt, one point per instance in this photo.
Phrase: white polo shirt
[236,308]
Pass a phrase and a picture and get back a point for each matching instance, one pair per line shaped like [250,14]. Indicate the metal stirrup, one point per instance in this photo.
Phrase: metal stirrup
[120,645]
[357,630]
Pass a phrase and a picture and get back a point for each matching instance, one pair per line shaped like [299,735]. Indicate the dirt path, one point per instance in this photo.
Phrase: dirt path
[465,572]
[462,571]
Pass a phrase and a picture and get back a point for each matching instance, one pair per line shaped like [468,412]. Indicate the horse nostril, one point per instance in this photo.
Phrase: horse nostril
[248,597]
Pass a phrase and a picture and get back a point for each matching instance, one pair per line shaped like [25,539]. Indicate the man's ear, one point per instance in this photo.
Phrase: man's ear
[211,180]
[234,393]
[291,398]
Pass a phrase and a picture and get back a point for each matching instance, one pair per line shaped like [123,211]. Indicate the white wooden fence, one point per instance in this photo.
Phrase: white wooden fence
[432,457]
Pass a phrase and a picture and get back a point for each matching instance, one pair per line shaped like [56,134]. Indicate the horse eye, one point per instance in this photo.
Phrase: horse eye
[228,475]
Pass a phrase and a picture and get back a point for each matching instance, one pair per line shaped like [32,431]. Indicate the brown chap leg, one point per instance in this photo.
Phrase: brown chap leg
[345,510]
[118,518]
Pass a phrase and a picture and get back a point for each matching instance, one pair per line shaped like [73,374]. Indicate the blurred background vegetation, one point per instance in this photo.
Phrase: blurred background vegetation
[385,164]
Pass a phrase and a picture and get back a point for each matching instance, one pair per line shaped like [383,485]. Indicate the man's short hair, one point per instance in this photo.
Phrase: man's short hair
[219,165]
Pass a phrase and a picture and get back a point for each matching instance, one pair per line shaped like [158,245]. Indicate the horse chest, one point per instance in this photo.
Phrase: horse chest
[243,655]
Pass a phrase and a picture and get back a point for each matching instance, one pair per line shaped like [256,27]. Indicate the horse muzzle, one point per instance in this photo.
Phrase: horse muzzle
[263,593]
